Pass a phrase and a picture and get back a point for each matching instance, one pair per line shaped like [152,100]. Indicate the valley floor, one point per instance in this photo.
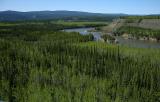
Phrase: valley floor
[39,63]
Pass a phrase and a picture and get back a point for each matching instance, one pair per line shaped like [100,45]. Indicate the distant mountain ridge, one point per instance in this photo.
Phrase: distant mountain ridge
[61,14]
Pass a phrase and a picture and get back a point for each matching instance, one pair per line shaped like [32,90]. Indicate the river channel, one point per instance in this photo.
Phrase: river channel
[121,40]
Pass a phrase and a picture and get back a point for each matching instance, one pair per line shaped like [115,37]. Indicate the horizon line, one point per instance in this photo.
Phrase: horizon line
[78,11]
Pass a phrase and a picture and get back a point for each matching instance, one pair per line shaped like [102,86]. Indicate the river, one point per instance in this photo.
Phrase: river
[121,40]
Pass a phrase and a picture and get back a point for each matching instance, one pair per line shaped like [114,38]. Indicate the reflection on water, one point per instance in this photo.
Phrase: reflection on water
[122,41]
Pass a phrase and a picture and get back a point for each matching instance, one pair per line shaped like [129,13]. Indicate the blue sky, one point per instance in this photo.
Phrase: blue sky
[100,6]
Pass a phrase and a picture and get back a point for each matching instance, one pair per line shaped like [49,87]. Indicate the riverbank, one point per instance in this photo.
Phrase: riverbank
[111,39]
[129,36]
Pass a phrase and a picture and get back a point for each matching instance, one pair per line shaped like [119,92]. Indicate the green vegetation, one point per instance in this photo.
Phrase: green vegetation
[70,24]
[108,37]
[39,63]
[98,28]
[141,17]
[138,32]
[49,24]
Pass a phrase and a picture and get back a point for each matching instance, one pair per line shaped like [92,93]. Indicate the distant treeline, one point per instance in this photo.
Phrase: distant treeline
[75,19]
[47,25]
[56,15]
[141,17]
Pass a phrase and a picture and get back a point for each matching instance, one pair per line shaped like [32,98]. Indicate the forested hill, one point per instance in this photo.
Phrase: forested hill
[62,15]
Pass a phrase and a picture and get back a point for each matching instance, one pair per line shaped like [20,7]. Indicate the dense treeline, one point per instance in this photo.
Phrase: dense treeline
[138,32]
[47,25]
[141,17]
[108,18]
[46,65]
[138,19]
